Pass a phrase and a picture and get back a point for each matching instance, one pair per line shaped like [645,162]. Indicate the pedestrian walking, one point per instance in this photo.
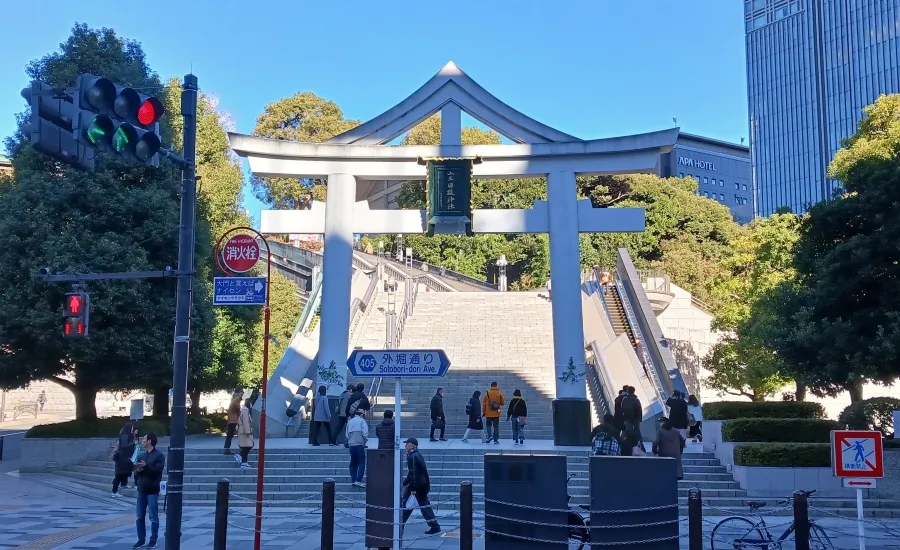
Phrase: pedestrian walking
[678,413]
[549,292]
[473,411]
[148,472]
[385,432]
[632,414]
[357,438]
[438,420]
[358,400]
[491,406]
[42,400]
[517,413]
[342,411]
[418,484]
[695,418]
[124,456]
[245,435]
[234,414]
[605,438]
[321,417]
[669,443]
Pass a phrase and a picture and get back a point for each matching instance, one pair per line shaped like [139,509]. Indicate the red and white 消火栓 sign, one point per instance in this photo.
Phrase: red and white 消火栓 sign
[241,253]
[857,454]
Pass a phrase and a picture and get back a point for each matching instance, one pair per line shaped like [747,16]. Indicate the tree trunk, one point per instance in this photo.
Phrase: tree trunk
[161,402]
[801,391]
[855,389]
[85,403]
[755,398]
[195,402]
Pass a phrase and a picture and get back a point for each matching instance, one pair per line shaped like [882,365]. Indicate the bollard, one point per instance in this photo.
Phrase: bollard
[695,519]
[327,542]
[220,536]
[801,521]
[465,516]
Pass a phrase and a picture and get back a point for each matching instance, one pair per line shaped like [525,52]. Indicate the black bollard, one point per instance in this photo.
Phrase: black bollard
[327,542]
[695,519]
[801,521]
[220,535]
[466,531]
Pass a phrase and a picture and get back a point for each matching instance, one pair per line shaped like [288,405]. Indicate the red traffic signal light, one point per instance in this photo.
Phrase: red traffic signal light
[76,315]
[150,111]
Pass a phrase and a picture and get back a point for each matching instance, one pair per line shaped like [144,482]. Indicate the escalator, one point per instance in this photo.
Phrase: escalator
[617,314]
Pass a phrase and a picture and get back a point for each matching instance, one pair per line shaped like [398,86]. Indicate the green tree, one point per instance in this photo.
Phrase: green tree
[118,217]
[743,370]
[839,321]
[301,117]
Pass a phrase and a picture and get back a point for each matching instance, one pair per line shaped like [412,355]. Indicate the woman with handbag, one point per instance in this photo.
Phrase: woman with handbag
[245,435]
[124,456]
[517,412]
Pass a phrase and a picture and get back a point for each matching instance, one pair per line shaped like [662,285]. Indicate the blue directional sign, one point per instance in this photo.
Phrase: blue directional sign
[239,291]
[399,363]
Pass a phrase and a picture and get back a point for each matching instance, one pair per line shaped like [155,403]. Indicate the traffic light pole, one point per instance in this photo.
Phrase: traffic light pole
[181,348]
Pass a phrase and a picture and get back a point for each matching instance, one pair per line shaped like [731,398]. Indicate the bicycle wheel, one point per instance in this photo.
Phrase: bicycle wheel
[736,532]
[818,538]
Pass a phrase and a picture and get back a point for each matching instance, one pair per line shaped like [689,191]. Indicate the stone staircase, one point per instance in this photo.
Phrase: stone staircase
[294,475]
[503,337]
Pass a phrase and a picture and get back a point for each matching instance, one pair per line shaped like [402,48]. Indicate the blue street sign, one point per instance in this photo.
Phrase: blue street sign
[239,291]
[399,363]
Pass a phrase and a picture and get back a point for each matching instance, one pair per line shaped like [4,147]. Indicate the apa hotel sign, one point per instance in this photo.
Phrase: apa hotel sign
[701,164]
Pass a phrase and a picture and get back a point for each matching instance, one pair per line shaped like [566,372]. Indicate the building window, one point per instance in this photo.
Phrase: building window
[705,180]
[722,197]
[721,183]
[736,186]
[680,174]
[744,187]
[706,194]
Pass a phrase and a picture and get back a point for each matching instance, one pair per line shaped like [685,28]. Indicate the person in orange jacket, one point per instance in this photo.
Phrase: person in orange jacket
[491,405]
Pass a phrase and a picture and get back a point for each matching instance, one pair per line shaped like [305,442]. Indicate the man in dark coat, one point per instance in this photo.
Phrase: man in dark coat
[617,410]
[384,431]
[418,484]
[358,400]
[678,413]
[438,421]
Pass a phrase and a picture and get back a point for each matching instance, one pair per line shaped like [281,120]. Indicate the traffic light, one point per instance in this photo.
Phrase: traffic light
[50,128]
[76,315]
[117,120]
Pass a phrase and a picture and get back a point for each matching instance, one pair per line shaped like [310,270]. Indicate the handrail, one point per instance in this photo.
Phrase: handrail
[595,381]
[443,271]
[410,293]
[647,358]
[646,276]
[310,304]
[700,304]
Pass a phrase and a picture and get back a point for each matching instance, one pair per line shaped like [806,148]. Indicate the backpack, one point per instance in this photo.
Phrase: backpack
[631,408]
[605,444]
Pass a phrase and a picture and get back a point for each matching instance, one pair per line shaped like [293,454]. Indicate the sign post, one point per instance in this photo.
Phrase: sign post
[857,458]
[400,364]
[240,254]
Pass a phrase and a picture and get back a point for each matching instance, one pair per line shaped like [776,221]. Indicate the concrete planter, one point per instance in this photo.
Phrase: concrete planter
[712,443]
[46,455]
[764,481]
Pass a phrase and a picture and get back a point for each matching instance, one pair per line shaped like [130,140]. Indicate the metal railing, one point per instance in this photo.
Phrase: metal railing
[700,304]
[646,358]
[440,270]
[593,367]
[410,293]
[655,281]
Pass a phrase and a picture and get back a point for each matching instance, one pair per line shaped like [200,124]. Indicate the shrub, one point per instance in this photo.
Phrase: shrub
[101,427]
[876,413]
[727,410]
[109,427]
[780,430]
[218,422]
[788,455]
[891,443]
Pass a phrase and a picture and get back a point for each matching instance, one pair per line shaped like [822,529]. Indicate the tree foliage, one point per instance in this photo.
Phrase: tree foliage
[119,217]
[838,321]
[301,117]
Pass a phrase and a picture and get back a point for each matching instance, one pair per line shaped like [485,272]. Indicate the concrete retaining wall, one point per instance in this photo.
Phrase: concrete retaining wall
[46,455]
[781,482]
[889,487]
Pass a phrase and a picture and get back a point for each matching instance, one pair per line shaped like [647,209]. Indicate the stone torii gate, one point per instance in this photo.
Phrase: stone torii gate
[355,158]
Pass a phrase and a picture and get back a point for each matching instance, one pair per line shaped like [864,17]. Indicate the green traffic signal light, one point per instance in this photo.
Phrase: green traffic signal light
[100,130]
[124,138]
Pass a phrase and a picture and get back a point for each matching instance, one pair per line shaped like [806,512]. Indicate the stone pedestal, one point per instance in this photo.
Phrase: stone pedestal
[571,422]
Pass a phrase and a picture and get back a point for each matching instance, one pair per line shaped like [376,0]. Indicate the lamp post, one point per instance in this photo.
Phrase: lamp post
[501,273]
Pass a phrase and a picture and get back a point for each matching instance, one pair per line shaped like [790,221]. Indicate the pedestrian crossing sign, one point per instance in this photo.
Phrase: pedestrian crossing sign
[857,454]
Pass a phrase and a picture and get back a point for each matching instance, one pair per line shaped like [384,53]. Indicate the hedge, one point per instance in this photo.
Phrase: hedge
[109,427]
[779,430]
[789,455]
[891,443]
[728,410]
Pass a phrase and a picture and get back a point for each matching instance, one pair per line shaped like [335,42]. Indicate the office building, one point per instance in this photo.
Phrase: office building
[812,65]
[722,168]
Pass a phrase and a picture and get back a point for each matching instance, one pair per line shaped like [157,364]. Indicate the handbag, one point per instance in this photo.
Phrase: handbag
[522,421]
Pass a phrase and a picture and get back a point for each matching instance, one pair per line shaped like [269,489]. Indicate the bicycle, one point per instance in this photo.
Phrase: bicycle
[757,536]
[579,527]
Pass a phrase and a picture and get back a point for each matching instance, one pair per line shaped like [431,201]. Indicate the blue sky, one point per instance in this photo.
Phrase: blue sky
[592,68]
